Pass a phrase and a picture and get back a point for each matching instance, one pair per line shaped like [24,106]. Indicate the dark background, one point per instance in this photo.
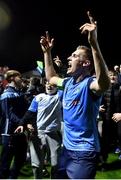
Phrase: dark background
[23,21]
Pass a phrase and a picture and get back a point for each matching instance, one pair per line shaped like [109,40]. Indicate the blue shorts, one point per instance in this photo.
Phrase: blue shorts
[77,164]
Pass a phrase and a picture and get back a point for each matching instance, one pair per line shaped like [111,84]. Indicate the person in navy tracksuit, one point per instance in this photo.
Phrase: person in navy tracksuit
[13,106]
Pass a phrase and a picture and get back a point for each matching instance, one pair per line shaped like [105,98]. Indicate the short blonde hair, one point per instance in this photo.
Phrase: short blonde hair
[11,73]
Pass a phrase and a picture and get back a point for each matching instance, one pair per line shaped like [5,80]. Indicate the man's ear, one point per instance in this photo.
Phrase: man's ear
[86,63]
[12,78]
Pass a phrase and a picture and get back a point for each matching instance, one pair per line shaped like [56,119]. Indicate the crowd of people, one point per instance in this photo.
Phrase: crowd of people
[66,118]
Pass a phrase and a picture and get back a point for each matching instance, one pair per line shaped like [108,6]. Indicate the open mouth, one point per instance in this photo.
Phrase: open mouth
[69,65]
[49,88]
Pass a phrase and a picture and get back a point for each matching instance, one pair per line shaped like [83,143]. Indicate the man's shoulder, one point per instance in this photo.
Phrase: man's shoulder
[8,92]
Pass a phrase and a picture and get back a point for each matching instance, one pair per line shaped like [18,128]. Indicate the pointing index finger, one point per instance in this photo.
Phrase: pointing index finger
[47,36]
[90,18]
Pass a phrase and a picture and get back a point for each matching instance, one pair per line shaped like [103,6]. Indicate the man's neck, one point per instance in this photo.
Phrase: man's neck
[80,78]
[12,84]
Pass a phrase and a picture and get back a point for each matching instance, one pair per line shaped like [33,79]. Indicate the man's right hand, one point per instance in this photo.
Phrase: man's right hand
[19,129]
[46,43]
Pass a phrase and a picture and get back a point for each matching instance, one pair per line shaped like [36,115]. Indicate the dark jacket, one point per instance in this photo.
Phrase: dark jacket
[13,107]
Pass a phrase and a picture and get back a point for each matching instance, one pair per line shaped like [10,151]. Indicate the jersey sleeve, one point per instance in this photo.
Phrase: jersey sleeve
[33,106]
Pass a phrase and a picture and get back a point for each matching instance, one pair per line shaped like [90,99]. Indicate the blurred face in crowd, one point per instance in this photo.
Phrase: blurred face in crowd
[113,77]
[120,68]
[116,68]
[50,88]
[18,81]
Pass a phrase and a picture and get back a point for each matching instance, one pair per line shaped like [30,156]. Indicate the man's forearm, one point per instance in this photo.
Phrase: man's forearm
[29,117]
[49,68]
[101,68]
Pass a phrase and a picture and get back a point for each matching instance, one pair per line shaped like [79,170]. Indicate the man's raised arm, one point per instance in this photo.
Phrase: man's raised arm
[102,83]
[46,45]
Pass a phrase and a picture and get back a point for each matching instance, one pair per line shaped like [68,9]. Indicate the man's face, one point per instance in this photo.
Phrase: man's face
[50,89]
[76,62]
[18,81]
[113,77]
[116,68]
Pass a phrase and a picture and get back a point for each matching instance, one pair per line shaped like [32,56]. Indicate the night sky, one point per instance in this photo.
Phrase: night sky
[22,22]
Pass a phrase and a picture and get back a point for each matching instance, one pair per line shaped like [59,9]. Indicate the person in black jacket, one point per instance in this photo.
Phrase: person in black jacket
[13,107]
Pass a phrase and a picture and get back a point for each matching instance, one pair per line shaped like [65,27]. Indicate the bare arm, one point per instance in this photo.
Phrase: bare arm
[102,80]
[46,45]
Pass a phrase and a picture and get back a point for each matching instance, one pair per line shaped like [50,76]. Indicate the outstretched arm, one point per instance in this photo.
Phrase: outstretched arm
[102,80]
[46,45]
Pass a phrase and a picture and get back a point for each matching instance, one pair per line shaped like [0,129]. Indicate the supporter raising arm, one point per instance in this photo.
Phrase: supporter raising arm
[102,80]
[81,101]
